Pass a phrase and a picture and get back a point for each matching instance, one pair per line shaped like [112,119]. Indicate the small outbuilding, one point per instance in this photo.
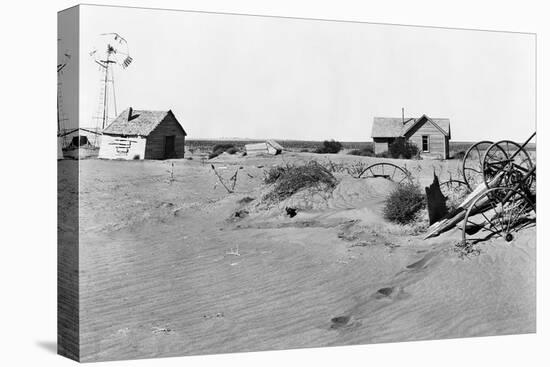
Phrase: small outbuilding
[80,143]
[430,135]
[143,134]
[267,147]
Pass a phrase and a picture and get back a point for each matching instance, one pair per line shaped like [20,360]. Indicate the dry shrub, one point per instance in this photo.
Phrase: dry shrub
[356,169]
[402,148]
[232,150]
[459,155]
[364,152]
[334,167]
[404,203]
[220,148]
[329,146]
[291,179]
[273,174]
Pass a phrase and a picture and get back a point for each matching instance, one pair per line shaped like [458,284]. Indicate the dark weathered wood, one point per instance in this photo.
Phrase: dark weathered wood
[437,208]
[154,148]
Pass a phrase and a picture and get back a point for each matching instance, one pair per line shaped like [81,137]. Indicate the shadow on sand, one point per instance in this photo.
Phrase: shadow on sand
[49,346]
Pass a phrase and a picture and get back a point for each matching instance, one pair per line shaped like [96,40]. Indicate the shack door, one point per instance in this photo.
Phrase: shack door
[169,146]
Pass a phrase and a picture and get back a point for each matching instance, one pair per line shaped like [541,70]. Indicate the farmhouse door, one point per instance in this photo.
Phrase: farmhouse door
[169,146]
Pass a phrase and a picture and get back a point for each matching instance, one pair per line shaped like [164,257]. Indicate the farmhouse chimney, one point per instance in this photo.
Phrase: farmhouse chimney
[403,115]
[130,110]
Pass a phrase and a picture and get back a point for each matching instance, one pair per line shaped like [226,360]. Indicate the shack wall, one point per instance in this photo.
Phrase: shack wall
[438,143]
[258,148]
[381,145]
[155,147]
[119,147]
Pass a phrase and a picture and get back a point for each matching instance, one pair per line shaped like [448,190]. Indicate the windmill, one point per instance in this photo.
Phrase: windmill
[62,63]
[109,52]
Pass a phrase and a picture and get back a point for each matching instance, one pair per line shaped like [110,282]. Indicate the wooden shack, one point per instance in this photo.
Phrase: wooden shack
[143,134]
[430,135]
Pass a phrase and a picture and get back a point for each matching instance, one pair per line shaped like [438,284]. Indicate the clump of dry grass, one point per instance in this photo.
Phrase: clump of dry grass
[333,167]
[293,178]
[466,249]
[404,203]
[357,169]
[273,174]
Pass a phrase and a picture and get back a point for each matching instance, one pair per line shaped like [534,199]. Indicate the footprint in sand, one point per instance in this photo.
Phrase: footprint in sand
[392,293]
[420,264]
[340,321]
[384,292]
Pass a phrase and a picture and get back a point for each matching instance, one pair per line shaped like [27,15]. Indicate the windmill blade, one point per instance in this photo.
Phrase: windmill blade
[117,37]
[126,62]
[113,47]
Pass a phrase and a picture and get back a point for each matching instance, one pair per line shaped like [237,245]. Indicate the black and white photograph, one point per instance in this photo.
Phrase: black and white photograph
[247,183]
[250,183]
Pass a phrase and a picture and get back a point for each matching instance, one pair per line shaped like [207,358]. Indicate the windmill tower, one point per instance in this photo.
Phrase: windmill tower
[110,51]
[63,61]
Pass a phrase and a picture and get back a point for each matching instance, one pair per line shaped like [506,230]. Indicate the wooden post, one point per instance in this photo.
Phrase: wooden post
[437,209]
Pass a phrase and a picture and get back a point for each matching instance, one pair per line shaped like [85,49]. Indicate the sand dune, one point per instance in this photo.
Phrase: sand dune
[168,269]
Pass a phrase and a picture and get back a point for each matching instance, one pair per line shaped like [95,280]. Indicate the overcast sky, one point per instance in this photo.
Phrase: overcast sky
[260,77]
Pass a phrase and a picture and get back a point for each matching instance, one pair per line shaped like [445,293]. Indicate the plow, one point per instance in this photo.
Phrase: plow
[499,180]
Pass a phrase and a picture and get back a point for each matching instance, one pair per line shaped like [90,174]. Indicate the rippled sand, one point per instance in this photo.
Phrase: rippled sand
[167,269]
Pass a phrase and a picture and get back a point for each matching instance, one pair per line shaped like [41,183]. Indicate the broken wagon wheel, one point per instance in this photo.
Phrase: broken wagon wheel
[472,164]
[388,171]
[499,212]
[510,162]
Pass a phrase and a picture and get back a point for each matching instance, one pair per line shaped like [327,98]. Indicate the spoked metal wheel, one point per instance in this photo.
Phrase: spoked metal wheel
[499,213]
[388,171]
[506,163]
[472,164]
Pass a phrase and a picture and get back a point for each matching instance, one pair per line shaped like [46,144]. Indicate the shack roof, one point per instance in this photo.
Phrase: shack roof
[393,127]
[138,122]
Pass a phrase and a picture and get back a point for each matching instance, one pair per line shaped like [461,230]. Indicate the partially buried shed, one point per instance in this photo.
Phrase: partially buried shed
[268,147]
[143,134]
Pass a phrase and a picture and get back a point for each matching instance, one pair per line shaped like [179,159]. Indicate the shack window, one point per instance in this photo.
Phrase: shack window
[425,143]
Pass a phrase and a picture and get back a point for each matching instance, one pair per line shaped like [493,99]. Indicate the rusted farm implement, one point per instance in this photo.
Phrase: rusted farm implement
[500,179]
[386,170]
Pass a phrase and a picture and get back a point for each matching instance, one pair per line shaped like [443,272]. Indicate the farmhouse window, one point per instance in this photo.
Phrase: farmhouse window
[425,143]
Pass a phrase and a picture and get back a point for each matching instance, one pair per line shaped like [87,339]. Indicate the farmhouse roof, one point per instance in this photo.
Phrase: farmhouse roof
[393,127]
[138,122]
